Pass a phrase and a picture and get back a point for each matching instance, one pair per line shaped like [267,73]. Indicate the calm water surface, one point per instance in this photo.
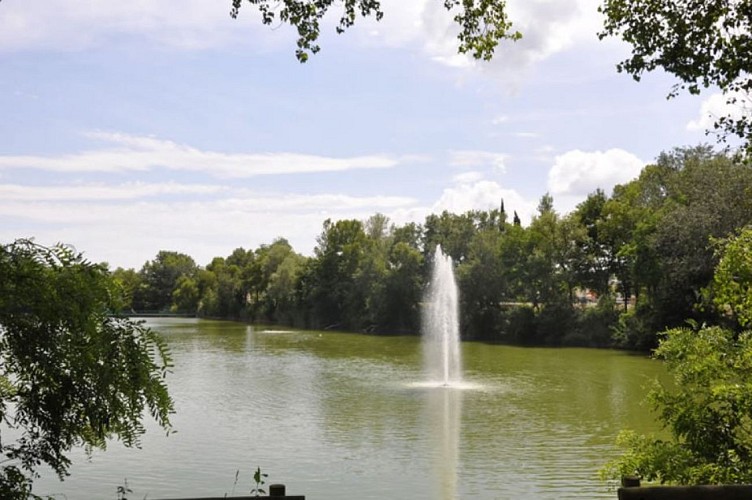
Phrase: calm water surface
[343,416]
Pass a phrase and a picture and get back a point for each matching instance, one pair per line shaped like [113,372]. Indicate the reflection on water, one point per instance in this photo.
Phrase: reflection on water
[443,412]
[346,416]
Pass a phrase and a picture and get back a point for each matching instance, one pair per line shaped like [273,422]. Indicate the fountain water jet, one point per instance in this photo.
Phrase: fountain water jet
[441,337]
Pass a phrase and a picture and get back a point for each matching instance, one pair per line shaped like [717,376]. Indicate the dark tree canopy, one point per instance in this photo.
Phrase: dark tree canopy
[483,23]
[704,43]
[161,275]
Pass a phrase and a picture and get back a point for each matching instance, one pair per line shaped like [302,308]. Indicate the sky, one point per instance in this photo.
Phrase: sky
[133,127]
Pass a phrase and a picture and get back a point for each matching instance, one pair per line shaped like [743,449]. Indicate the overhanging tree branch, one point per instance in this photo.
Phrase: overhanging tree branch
[483,23]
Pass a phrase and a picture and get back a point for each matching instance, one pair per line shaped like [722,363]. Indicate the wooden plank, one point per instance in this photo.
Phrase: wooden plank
[721,492]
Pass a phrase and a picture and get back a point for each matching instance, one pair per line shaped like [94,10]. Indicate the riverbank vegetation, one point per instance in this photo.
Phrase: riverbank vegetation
[614,272]
[708,406]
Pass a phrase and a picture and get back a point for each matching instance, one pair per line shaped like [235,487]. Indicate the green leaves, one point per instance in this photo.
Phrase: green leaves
[483,23]
[708,407]
[703,43]
[732,284]
[258,478]
[159,280]
[710,411]
[72,373]
[305,17]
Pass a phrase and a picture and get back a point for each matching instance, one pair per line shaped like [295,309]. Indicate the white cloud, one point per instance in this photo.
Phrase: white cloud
[129,234]
[83,210]
[80,24]
[717,106]
[578,173]
[468,177]
[78,192]
[333,203]
[553,26]
[401,25]
[474,158]
[483,195]
[138,153]
[548,27]
[127,231]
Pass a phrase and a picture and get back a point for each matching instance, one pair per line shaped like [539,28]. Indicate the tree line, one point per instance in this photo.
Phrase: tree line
[670,246]
[656,239]
[613,272]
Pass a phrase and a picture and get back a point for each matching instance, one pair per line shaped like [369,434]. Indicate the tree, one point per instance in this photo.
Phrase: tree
[656,231]
[129,281]
[707,413]
[732,283]
[627,223]
[282,289]
[185,298]
[483,23]
[482,285]
[593,269]
[702,43]
[277,268]
[403,287]
[208,284]
[707,196]
[372,272]
[222,291]
[516,248]
[708,407]
[71,373]
[453,232]
[159,277]
[549,265]
[336,298]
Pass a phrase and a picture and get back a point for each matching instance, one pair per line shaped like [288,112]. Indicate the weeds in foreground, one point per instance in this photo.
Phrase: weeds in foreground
[123,490]
[258,478]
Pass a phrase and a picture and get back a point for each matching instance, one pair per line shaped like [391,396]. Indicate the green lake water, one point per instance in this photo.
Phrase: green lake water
[347,416]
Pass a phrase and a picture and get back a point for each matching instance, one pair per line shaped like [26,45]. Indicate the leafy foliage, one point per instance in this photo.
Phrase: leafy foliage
[71,373]
[708,407]
[708,410]
[258,479]
[703,43]
[732,283]
[306,17]
[159,278]
[483,23]
[338,301]
[658,229]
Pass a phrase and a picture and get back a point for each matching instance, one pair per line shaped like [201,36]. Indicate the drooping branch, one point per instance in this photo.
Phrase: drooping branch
[483,23]
[704,43]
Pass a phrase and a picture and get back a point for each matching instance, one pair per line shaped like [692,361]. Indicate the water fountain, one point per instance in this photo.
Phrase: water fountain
[441,338]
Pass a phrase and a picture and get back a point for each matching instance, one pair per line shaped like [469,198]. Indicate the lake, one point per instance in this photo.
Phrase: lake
[345,416]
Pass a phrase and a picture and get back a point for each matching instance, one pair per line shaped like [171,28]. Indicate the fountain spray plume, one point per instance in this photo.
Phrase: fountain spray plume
[441,337]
